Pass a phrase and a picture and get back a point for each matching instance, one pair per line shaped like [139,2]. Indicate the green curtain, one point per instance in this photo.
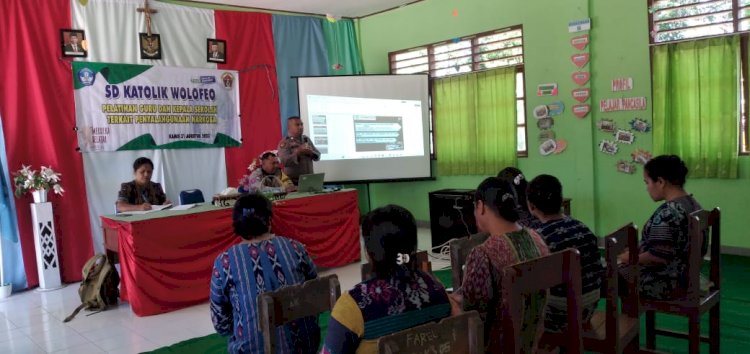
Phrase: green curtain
[696,104]
[475,122]
[341,41]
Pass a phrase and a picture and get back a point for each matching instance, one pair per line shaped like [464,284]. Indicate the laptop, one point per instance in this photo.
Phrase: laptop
[312,183]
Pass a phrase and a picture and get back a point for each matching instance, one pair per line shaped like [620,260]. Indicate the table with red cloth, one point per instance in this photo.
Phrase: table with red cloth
[166,257]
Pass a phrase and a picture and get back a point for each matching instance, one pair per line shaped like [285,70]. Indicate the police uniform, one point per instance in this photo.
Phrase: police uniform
[297,165]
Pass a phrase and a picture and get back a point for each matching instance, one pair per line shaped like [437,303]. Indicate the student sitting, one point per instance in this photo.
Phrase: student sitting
[262,262]
[663,253]
[561,232]
[399,297]
[496,213]
[516,179]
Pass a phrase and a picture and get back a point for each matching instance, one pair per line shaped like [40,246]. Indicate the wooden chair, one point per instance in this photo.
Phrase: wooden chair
[457,334]
[422,260]
[460,249]
[693,304]
[537,275]
[287,304]
[612,331]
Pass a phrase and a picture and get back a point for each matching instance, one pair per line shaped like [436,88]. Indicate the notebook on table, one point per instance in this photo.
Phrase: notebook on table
[312,183]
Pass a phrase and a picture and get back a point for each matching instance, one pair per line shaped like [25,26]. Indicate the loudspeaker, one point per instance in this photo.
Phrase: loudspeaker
[451,214]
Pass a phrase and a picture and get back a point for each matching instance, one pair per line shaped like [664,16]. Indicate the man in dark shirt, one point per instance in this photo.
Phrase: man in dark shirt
[297,151]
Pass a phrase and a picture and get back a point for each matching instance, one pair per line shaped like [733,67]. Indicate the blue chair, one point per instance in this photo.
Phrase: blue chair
[191,196]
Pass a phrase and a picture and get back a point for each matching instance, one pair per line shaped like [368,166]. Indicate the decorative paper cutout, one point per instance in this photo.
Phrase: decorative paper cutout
[581,94]
[622,104]
[625,167]
[579,25]
[581,77]
[608,147]
[624,136]
[545,135]
[581,110]
[541,111]
[622,84]
[640,125]
[561,146]
[580,60]
[547,147]
[606,125]
[556,108]
[545,123]
[580,42]
[546,89]
[641,156]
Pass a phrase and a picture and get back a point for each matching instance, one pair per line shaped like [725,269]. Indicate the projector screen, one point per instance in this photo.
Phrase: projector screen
[368,128]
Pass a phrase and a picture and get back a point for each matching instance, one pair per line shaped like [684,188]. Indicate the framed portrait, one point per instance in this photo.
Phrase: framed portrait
[216,50]
[150,46]
[73,43]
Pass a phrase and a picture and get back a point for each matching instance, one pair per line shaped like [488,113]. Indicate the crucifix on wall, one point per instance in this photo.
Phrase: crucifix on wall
[148,11]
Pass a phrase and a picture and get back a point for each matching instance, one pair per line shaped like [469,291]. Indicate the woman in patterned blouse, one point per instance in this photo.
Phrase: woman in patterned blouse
[495,209]
[399,297]
[663,249]
[141,193]
[261,262]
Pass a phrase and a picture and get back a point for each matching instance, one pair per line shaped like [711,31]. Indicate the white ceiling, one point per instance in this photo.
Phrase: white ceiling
[338,8]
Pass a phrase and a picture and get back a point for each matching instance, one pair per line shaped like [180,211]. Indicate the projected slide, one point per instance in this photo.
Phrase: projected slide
[361,128]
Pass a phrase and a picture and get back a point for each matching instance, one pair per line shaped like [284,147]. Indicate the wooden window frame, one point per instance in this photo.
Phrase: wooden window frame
[475,67]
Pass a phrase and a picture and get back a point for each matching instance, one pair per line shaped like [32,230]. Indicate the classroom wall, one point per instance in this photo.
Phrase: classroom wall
[602,197]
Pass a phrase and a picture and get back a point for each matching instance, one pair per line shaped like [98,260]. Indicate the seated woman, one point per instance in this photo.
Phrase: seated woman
[496,213]
[663,248]
[141,193]
[561,232]
[399,297]
[515,178]
[267,176]
[261,262]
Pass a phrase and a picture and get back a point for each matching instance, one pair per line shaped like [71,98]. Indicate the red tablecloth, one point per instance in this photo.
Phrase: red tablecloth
[165,263]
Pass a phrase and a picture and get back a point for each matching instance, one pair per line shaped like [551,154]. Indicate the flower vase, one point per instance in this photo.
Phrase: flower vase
[40,195]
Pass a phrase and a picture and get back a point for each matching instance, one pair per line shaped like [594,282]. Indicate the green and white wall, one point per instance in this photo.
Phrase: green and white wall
[602,197]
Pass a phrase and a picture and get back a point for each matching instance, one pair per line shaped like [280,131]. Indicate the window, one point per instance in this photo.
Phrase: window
[482,51]
[677,20]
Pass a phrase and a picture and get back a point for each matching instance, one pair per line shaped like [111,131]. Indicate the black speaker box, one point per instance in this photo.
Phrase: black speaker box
[451,215]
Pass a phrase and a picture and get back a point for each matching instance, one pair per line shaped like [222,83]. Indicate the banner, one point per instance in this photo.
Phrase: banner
[134,107]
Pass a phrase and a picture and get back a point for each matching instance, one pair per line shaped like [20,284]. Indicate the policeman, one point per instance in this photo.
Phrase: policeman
[297,151]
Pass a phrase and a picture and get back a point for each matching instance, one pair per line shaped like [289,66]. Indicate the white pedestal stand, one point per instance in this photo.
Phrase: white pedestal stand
[47,261]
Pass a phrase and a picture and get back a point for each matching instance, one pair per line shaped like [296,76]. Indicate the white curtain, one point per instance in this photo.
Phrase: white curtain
[112,28]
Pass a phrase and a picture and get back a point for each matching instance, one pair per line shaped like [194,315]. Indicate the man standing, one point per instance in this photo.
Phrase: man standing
[297,151]
[73,47]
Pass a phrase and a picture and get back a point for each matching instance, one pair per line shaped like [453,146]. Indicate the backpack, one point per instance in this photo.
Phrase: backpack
[99,286]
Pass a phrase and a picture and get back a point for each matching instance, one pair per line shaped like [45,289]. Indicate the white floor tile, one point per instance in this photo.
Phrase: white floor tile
[60,343]
[86,348]
[20,345]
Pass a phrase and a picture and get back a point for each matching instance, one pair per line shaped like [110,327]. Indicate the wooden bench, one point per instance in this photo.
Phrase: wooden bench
[538,275]
[458,334]
[277,308]
[613,331]
[693,304]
